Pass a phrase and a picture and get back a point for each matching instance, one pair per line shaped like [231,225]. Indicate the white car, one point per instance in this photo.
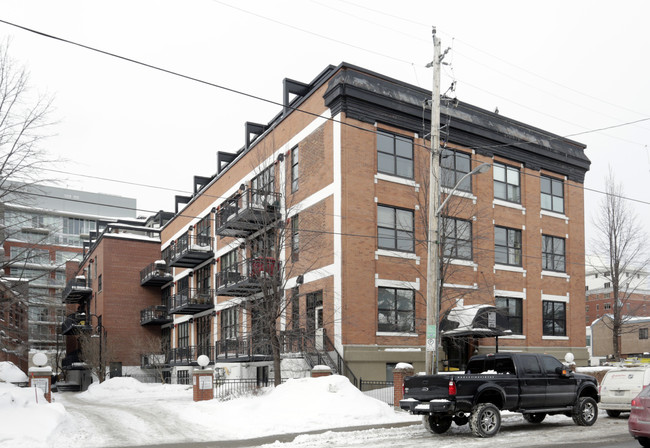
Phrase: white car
[620,386]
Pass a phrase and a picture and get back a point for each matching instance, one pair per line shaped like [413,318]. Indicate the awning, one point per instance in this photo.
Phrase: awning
[479,321]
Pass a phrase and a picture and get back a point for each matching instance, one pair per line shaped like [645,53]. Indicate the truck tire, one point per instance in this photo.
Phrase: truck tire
[485,420]
[585,413]
[613,414]
[535,418]
[436,424]
[644,441]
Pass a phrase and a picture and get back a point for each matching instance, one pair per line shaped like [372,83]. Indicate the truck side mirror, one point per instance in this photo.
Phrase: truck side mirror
[563,372]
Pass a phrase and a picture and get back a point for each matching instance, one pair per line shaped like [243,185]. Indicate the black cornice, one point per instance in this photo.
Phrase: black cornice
[373,98]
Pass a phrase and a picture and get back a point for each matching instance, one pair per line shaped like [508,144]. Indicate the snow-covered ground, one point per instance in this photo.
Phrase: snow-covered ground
[125,412]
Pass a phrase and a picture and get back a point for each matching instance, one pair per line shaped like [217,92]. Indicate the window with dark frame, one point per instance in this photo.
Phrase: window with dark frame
[507,183]
[295,309]
[313,301]
[554,318]
[507,246]
[394,155]
[229,261]
[552,191]
[643,333]
[395,229]
[99,283]
[454,165]
[553,253]
[457,238]
[184,335]
[203,230]
[295,158]
[395,310]
[295,237]
[229,323]
[511,308]
[203,334]
[262,185]
[203,278]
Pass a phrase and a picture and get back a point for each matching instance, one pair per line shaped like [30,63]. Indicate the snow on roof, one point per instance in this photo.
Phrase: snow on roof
[464,315]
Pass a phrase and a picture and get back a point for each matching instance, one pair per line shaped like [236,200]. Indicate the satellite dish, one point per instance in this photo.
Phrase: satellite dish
[40,359]
[203,361]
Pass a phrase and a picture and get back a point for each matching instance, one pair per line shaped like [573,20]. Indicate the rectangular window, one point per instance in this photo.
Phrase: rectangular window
[395,229]
[643,333]
[507,246]
[262,185]
[552,194]
[295,158]
[553,253]
[183,285]
[457,238]
[203,279]
[295,309]
[99,283]
[229,261]
[229,323]
[396,310]
[183,377]
[184,335]
[394,155]
[607,285]
[510,307]
[295,238]
[454,165]
[608,306]
[506,183]
[554,318]
[203,231]
[203,333]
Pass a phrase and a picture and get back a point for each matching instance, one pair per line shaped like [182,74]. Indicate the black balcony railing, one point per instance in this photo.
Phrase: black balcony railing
[189,250]
[76,291]
[185,356]
[191,301]
[156,274]
[155,315]
[247,212]
[248,277]
[74,324]
[242,349]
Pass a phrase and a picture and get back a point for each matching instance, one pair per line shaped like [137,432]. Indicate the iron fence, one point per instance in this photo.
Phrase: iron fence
[381,390]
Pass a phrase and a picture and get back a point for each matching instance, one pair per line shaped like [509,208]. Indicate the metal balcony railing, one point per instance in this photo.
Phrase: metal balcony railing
[76,290]
[74,324]
[189,250]
[191,301]
[156,274]
[155,315]
[247,212]
[248,277]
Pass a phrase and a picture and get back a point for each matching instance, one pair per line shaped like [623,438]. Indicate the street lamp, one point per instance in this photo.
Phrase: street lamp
[433,266]
[101,333]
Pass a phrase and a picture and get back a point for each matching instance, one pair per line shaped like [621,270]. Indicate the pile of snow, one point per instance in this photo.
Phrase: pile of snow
[9,373]
[27,418]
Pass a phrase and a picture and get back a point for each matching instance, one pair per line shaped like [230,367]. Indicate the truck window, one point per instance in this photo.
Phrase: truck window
[504,365]
[475,366]
[530,364]
[550,364]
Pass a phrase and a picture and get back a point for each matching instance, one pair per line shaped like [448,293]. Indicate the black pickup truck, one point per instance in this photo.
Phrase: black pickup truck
[533,384]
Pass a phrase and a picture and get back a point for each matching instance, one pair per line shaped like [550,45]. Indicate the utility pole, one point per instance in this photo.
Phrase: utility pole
[433,264]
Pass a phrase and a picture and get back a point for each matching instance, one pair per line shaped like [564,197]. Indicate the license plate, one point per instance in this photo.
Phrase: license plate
[619,393]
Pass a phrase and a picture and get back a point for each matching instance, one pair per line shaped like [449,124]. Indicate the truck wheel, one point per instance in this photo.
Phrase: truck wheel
[436,424]
[613,414]
[485,420]
[535,418]
[644,441]
[585,412]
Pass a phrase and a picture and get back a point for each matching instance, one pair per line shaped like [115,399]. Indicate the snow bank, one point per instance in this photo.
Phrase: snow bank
[27,418]
[10,373]
[121,387]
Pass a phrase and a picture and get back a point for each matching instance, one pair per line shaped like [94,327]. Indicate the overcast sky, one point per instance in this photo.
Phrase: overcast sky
[568,67]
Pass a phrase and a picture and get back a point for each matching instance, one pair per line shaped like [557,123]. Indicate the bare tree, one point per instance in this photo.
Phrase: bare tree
[95,352]
[151,346]
[620,253]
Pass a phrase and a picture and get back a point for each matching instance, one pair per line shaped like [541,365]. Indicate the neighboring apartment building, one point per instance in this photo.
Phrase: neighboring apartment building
[40,234]
[633,340]
[108,294]
[337,191]
[13,323]
[634,293]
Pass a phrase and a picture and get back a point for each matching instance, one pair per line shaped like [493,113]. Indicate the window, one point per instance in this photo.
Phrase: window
[229,323]
[507,246]
[203,279]
[506,183]
[203,231]
[295,158]
[554,318]
[229,261]
[608,306]
[395,228]
[643,333]
[183,285]
[396,310]
[454,165]
[458,238]
[551,364]
[530,364]
[262,186]
[553,253]
[394,155]
[597,307]
[552,194]
[99,283]
[510,307]
[587,308]
[183,377]
[295,309]
[203,333]
[314,301]
[184,335]
[607,285]
[295,238]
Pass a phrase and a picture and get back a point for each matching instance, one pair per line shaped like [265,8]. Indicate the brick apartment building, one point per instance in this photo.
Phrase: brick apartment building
[109,293]
[342,172]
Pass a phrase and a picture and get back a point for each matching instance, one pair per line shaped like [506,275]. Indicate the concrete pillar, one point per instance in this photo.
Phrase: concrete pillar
[203,384]
[401,371]
[319,371]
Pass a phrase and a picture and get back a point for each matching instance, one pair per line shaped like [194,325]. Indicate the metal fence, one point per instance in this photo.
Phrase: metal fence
[230,389]
[381,390]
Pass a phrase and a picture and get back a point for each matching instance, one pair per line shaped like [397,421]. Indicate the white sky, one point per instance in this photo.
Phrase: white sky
[566,67]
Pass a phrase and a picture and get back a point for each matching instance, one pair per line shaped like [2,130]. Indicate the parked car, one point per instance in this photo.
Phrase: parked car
[620,386]
[639,421]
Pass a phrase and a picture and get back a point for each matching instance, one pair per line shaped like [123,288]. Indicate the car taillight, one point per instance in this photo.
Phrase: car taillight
[636,404]
[452,387]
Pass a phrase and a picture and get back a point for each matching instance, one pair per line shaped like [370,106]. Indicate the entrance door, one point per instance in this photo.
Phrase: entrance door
[318,332]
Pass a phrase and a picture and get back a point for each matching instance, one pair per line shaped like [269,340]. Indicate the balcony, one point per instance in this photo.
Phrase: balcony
[76,291]
[156,274]
[247,212]
[155,315]
[187,356]
[74,324]
[189,251]
[242,350]
[192,301]
[248,277]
